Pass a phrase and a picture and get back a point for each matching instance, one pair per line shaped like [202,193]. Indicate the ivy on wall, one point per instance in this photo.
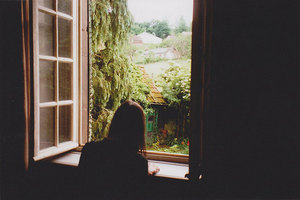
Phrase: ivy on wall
[113,77]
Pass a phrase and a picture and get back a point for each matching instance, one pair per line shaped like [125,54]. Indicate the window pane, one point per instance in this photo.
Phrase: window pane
[65,123]
[47,127]
[47,81]
[46,34]
[65,6]
[64,38]
[65,81]
[163,57]
[47,3]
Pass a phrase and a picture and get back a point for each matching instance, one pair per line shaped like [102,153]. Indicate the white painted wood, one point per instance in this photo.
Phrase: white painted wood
[52,151]
[64,16]
[65,146]
[48,104]
[36,76]
[65,102]
[75,75]
[66,60]
[48,58]
[46,10]
[170,169]
[79,61]
[57,77]
[167,169]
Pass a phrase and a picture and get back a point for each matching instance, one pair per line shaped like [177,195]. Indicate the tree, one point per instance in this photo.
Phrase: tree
[161,29]
[137,28]
[181,26]
[146,26]
[114,78]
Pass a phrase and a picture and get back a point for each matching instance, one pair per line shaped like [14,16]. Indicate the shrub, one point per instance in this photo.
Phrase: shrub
[181,43]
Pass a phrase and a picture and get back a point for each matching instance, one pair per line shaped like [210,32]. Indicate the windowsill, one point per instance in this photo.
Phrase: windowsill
[167,169]
[161,156]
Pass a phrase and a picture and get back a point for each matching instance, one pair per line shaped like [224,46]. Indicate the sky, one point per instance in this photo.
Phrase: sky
[170,10]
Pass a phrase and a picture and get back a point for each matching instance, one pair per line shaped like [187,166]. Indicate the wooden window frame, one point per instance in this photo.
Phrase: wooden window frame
[168,157]
[201,67]
[79,59]
[201,89]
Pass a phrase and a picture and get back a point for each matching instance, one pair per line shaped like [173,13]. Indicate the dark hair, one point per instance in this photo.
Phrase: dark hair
[128,126]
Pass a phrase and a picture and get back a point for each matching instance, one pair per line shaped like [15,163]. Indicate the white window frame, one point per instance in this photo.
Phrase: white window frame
[76,94]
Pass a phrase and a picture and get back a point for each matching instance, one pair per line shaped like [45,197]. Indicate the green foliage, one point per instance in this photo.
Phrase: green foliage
[181,43]
[113,78]
[140,89]
[181,26]
[110,86]
[159,28]
[151,58]
[137,29]
[110,23]
[175,84]
[176,145]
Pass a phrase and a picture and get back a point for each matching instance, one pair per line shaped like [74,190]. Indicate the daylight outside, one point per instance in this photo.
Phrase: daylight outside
[141,50]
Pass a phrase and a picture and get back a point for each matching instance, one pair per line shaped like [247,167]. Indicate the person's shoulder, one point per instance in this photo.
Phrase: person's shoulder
[94,146]
[89,145]
[142,159]
[95,150]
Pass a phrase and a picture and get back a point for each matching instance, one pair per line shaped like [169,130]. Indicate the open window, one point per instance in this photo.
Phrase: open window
[143,48]
[62,77]
[57,72]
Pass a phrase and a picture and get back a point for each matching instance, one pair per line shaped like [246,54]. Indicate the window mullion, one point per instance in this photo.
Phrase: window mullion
[47,58]
[46,10]
[48,104]
[57,76]
[55,113]
[36,79]
[74,73]
[64,16]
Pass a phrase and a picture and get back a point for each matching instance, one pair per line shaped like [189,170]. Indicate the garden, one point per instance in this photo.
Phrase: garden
[118,67]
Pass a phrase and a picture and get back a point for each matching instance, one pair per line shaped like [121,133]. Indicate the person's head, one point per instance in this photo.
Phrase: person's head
[128,126]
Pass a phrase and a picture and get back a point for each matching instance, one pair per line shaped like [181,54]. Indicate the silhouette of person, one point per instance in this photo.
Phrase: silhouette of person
[115,167]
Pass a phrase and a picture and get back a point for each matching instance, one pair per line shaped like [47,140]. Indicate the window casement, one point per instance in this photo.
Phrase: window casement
[56,76]
[60,71]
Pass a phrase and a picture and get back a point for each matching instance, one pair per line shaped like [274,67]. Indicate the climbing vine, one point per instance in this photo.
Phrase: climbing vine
[113,77]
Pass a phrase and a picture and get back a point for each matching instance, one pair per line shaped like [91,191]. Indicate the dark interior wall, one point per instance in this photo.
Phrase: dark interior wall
[12,110]
[251,145]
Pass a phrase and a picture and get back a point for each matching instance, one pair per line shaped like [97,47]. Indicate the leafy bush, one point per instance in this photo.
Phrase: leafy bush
[178,146]
[181,43]
[151,58]
[175,84]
